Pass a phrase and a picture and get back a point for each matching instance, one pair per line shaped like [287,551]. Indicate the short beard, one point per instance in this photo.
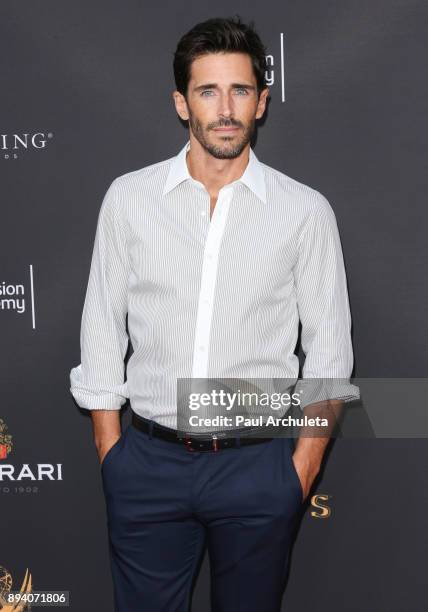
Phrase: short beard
[218,151]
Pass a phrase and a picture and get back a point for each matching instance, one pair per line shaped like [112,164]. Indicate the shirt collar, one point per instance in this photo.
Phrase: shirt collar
[253,176]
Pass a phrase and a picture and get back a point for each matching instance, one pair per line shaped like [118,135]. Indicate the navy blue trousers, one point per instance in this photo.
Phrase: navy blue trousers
[165,504]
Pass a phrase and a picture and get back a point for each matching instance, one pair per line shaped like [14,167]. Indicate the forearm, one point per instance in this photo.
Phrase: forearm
[106,427]
[312,441]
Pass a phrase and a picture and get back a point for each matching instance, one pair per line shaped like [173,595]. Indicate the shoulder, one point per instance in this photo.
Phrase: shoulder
[283,189]
[148,177]
[128,189]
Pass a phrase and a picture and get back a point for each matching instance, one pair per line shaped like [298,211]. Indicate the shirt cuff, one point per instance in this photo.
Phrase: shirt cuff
[94,397]
[313,390]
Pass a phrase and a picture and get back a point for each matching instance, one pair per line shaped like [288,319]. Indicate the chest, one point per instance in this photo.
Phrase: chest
[252,249]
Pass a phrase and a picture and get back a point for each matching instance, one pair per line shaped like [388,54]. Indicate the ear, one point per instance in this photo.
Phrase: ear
[261,105]
[180,105]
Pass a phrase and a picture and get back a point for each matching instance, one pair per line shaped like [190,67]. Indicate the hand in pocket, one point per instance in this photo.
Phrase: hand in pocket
[106,449]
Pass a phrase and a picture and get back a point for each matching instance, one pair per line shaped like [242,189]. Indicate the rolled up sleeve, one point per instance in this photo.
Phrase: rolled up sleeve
[323,305]
[98,382]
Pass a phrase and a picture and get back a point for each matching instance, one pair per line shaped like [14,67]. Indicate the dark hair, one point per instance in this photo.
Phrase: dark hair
[219,35]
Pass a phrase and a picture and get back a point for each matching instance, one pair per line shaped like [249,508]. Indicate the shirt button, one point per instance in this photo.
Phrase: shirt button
[209,256]
[203,213]
[202,348]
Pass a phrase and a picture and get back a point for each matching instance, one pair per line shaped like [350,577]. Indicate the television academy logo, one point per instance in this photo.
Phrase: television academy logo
[23,473]
[271,73]
[13,297]
[12,145]
[6,582]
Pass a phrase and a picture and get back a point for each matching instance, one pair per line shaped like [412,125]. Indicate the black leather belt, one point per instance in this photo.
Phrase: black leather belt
[192,443]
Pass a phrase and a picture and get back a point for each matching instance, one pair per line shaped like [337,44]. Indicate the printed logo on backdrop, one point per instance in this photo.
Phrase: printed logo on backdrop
[16,145]
[18,297]
[319,507]
[16,477]
[25,598]
[5,441]
[275,73]
[6,583]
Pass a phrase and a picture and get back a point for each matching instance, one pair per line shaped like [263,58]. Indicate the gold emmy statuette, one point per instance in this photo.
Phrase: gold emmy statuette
[5,588]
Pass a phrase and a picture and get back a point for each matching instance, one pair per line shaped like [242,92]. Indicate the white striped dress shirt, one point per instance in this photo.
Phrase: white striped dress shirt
[219,297]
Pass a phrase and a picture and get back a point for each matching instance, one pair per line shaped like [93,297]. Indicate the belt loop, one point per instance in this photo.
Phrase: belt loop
[238,440]
[151,429]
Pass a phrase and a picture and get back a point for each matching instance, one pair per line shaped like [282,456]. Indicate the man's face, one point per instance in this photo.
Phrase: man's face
[222,103]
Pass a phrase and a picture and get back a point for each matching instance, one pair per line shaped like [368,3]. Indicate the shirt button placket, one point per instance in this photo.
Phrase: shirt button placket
[208,281]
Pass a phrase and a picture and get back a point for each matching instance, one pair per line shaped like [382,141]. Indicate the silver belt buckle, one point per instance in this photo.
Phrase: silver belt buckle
[188,442]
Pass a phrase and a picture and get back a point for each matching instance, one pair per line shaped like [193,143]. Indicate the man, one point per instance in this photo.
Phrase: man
[213,256]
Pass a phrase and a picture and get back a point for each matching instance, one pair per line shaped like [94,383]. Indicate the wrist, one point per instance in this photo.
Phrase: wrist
[308,462]
[106,440]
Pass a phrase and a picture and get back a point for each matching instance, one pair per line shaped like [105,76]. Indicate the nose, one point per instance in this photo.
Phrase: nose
[226,105]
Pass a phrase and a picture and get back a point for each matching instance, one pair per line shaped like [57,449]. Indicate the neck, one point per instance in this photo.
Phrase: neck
[214,173]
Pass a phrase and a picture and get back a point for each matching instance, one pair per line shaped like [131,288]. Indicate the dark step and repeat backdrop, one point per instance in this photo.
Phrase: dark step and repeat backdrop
[85,97]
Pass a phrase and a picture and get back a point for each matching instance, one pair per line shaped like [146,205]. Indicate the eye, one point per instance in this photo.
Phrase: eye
[241,91]
[206,93]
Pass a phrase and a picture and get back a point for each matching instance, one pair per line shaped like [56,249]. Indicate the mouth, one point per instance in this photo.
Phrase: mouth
[224,130]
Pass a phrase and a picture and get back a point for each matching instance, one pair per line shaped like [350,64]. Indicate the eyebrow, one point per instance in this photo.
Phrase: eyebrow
[215,86]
